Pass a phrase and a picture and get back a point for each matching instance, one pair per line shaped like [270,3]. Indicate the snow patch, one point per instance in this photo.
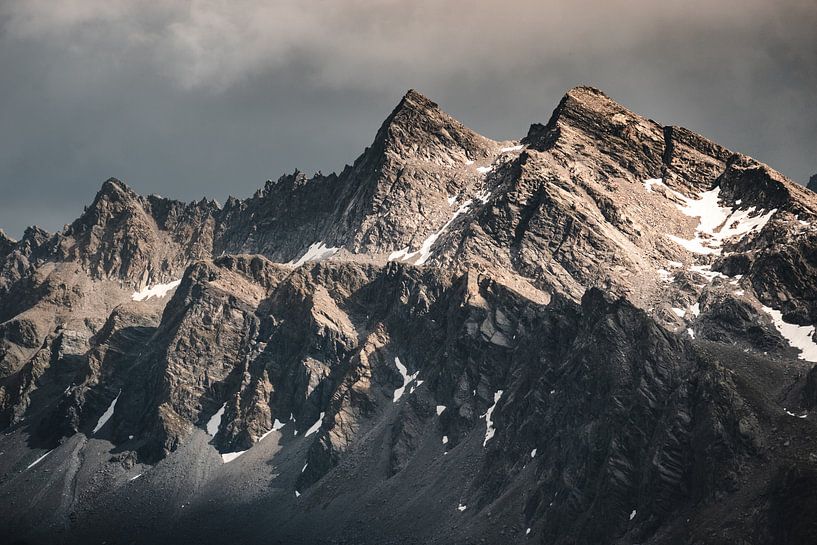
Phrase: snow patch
[445,439]
[511,148]
[461,507]
[533,453]
[134,478]
[215,421]
[276,425]
[690,332]
[717,223]
[159,291]
[484,170]
[651,182]
[316,252]
[399,254]
[407,379]
[316,426]
[451,200]
[707,272]
[424,252]
[693,246]
[798,336]
[230,456]
[107,414]
[440,409]
[632,515]
[38,460]
[788,412]
[416,384]
[489,425]
[679,312]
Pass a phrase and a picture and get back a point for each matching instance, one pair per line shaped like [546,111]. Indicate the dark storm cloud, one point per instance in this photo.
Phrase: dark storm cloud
[210,98]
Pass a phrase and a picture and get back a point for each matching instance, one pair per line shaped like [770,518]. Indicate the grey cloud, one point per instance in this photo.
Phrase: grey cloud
[213,97]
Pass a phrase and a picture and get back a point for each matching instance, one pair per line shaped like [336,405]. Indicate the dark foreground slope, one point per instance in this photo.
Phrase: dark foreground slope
[602,333]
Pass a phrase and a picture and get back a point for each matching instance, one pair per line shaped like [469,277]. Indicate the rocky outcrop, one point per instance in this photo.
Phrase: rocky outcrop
[139,240]
[691,159]
[6,245]
[393,196]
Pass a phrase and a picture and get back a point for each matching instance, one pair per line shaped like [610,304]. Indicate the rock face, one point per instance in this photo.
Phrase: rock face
[600,333]
[812,183]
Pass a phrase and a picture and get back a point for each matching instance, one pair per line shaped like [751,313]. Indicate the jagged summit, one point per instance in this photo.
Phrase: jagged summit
[114,185]
[113,190]
[111,201]
[418,126]
[35,233]
[583,105]
[6,244]
[415,100]
[5,238]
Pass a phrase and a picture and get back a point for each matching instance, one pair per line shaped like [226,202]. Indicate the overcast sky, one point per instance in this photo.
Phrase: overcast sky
[211,98]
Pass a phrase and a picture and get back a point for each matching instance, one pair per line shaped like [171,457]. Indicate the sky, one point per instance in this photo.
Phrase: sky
[210,98]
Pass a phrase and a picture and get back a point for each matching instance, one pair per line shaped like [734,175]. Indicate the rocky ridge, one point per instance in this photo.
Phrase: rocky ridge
[602,332]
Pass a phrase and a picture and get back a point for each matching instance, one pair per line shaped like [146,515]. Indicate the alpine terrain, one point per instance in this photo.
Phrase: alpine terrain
[600,333]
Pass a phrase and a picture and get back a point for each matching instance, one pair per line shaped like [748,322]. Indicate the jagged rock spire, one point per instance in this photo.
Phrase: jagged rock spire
[6,244]
[812,183]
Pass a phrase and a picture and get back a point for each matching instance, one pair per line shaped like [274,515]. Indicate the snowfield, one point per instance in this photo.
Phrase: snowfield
[717,223]
[316,252]
[798,336]
[158,290]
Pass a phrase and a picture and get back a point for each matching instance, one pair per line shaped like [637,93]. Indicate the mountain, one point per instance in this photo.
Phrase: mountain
[812,183]
[602,332]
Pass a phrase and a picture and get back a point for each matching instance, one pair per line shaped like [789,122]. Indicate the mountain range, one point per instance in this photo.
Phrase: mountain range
[602,332]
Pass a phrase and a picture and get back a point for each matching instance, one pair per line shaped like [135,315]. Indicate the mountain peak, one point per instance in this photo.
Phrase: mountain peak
[415,100]
[812,183]
[587,119]
[115,187]
[110,200]
[587,93]
[583,104]
[35,235]
[33,231]
[417,124]
[6,244]
[413,110]
[4,237]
